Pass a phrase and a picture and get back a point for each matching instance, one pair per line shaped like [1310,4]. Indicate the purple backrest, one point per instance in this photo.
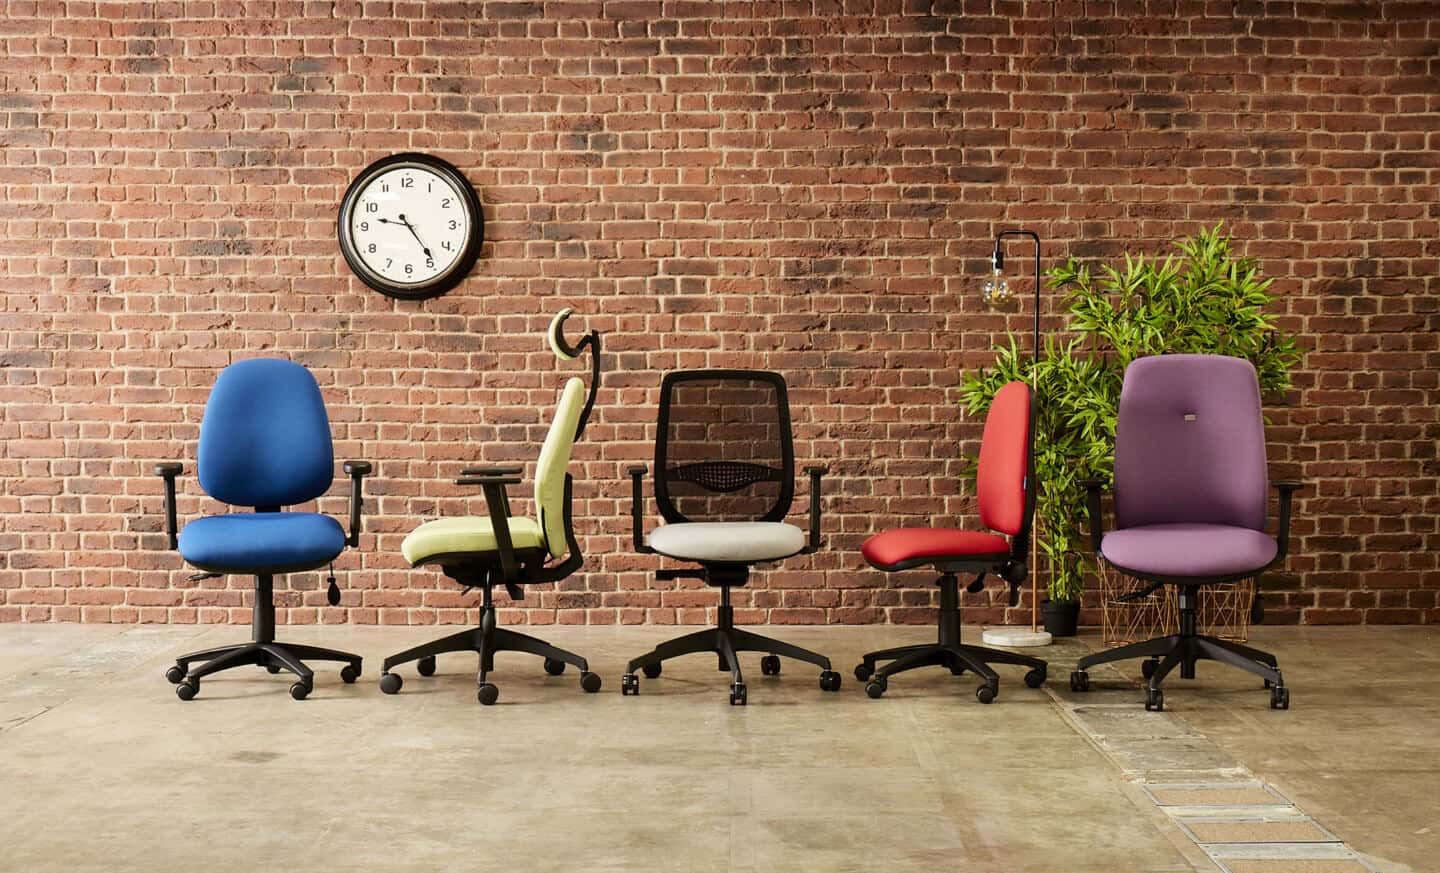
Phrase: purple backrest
[1190,443]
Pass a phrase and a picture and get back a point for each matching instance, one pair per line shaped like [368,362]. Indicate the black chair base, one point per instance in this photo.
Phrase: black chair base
[262,652]
[726,642]
[947,652]
[1184,650]
[272,656]
[485,641]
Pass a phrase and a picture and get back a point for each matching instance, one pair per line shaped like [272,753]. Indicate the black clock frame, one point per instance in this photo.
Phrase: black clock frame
[441,283]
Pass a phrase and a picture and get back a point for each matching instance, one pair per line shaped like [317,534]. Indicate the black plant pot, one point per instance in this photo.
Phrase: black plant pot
[1061,618]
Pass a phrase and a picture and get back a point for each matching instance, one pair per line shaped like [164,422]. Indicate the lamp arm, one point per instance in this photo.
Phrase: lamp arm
[997,259]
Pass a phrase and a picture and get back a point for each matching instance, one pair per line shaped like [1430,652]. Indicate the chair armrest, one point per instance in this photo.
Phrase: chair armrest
[1093,489]
[498,502]
[637,507]
[357,471]
[815,472]
[1287,489]
[492,471]
[169,470]
[488,480]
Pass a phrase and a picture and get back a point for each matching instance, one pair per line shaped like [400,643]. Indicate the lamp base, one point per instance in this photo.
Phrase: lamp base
[1015,637]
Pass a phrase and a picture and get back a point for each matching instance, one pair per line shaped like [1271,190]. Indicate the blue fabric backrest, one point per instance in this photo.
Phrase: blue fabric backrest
[265,438]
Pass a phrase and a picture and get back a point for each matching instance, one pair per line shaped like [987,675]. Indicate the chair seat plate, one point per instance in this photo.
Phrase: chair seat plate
[244,541]
[467,535]
[1185,550]
[914,544]
[736,542]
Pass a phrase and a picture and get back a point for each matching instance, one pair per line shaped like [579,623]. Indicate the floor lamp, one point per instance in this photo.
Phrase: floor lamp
[997,294]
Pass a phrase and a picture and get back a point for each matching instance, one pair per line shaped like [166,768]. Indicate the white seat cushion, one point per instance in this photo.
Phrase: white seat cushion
[728,541]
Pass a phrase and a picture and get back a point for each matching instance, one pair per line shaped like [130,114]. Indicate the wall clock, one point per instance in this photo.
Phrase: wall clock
[410,226]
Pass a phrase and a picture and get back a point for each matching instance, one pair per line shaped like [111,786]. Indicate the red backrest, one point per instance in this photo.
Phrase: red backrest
[1005,460]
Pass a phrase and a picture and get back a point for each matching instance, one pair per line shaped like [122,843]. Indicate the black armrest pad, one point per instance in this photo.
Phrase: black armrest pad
[488,480]
[637,507]
[1288,485]
[357,468]
[815,471]
[1092,484]
[491,471]
[169,470]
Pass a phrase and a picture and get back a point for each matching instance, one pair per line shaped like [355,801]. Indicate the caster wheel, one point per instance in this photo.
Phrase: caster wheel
[651,671]
[175,675]
[300,690]
[554,667]
[829,681]
[1154,700]
[391,683]
[1279,697]
[187,689]
[590,682]
[1036,677]
[957,670]
[986,693]
[349,673]
[487,694]
[770,665]
[875,688]
[629,684]
[1148,668]
[271,669]
[864,671]
[426,666]
[1080,681]
[737,694]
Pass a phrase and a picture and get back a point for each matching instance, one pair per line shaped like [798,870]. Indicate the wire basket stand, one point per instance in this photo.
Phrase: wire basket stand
[1224,610]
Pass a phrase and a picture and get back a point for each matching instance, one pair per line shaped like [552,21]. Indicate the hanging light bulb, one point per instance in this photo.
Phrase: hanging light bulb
[996,291]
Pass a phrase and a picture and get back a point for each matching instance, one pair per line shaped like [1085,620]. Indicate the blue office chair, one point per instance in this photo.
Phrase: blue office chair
[264,444]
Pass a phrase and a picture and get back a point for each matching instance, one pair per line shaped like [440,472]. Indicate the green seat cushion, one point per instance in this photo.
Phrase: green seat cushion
[466,535]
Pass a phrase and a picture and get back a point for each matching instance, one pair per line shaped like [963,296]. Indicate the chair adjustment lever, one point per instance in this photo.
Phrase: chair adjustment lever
[1136,595]
[680,574]
[201,577]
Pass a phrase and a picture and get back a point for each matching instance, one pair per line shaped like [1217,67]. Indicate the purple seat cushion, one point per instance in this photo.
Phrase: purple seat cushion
[1181,550]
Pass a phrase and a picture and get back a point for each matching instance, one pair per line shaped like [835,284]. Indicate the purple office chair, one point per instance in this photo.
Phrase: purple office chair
[1190,503]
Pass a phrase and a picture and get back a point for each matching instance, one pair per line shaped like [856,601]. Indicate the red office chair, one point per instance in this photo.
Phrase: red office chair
[1006,497]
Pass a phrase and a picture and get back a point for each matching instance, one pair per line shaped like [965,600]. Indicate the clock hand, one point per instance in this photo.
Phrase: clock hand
[424,248]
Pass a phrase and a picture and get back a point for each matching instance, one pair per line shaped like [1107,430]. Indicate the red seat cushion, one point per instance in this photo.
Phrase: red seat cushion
[915,544]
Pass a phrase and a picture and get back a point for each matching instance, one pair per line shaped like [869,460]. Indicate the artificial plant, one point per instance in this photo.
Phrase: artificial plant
[1200,300]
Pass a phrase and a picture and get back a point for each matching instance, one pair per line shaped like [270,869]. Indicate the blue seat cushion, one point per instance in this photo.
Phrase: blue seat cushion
[258,540]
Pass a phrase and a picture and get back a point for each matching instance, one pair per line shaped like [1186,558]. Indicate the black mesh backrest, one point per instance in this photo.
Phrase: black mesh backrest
[723,449]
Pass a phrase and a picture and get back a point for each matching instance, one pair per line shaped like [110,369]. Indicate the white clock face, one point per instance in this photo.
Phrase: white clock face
[408,224]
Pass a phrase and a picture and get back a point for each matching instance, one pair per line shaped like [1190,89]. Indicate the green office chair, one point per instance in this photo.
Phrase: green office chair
[508,550]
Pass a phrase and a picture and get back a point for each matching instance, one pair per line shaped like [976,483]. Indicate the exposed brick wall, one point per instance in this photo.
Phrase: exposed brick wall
[806,187]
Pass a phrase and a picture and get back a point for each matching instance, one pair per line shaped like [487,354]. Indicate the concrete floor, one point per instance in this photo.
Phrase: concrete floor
[103,768]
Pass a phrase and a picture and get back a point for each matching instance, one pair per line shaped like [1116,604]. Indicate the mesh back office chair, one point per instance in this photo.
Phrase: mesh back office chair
[724,481]
[265,444]
[1005,493]
[502,549]
[1190,505]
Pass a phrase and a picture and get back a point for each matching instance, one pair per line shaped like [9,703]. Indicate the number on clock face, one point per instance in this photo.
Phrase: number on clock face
[409,225]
